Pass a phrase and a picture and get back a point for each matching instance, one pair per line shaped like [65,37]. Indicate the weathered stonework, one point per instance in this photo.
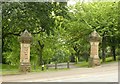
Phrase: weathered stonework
[25,41]
[94,59]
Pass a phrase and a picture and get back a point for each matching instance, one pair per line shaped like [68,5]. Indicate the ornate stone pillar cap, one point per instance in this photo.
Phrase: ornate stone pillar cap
[25,37]
[94,37]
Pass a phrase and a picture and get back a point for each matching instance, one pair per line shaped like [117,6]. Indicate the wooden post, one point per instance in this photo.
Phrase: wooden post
[68,65]
[55,65]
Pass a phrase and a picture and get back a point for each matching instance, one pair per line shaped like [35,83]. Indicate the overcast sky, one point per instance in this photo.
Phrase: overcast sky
[72,2]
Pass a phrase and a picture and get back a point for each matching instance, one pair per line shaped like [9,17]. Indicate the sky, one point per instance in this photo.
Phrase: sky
[73,2]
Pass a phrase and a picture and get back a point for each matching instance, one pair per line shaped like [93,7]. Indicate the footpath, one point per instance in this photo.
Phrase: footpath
[50,75]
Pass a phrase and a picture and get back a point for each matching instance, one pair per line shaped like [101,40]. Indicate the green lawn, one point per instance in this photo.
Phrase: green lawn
[82,64]
[12,70]
[85,64]
[110,59]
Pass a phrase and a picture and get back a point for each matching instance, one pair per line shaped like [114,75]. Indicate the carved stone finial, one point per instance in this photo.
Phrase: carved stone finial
[26,37]
[94,36]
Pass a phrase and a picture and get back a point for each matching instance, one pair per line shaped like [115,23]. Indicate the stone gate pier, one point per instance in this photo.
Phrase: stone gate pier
[25,40]
[94,39]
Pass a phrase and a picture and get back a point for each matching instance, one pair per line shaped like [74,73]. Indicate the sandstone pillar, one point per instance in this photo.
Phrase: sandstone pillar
[94,59]
[25,41]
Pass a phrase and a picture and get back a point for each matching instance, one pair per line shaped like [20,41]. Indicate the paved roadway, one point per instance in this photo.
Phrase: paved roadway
[103,73]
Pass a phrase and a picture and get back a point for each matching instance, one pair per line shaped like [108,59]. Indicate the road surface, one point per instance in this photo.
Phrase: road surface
[103,73]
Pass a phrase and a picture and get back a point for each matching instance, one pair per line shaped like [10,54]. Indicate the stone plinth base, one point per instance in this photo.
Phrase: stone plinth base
[25,67]
[94,62]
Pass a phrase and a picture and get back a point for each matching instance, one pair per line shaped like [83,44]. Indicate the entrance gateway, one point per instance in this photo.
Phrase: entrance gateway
[25,41]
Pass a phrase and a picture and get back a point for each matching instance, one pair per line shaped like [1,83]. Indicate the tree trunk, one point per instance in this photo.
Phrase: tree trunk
[40,50]
[113,48]
[3,59]
[114,53]
[103,48]
[103,55]
[40,58]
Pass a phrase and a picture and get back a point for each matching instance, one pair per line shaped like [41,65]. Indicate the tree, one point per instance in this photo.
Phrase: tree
[99,16]
[37,18]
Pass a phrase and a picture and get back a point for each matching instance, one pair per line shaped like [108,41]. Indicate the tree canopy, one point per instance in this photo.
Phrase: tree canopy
[60,32]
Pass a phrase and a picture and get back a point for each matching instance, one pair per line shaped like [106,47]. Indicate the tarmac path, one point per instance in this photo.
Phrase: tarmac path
[103,73]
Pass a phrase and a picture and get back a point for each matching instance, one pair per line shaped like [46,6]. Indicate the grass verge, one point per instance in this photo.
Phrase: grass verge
[82,64]
[14,70]
[86,64]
